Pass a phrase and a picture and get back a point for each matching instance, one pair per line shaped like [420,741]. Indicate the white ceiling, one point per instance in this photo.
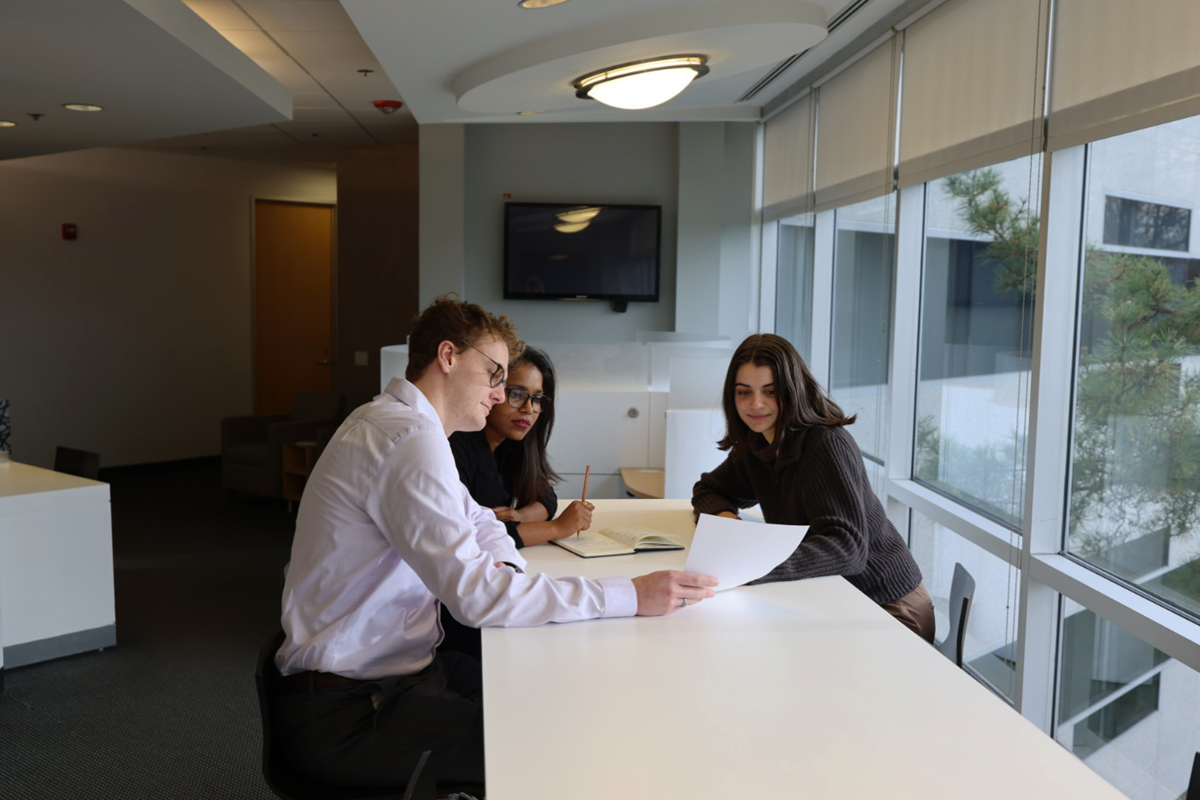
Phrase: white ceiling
[282,80]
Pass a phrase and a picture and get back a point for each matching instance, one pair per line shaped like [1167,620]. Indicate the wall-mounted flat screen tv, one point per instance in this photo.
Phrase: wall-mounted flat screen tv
[581,251]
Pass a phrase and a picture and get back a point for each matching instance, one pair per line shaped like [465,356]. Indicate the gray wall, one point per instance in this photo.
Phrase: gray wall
[134,340]
[701,173]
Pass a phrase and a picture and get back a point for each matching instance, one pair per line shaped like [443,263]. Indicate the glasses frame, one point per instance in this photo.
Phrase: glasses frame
[539,401]
[498,375]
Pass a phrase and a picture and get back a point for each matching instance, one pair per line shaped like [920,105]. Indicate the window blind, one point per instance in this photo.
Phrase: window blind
[855,149]
[1120,66]
[787,161]
[971,92]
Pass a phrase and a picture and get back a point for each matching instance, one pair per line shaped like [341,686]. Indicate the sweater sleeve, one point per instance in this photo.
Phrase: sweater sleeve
[830,487]
[726,488]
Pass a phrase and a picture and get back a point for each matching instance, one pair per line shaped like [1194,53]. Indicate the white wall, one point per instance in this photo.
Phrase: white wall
[134,340]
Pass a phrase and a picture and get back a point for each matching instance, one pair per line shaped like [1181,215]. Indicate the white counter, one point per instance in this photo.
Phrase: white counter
[56,565]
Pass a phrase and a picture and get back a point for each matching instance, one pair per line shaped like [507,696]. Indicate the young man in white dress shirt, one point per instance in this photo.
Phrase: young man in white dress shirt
[386,532]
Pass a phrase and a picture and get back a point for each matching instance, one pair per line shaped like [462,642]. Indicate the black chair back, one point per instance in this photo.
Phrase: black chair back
[962,593]
[281,776]
[77,462]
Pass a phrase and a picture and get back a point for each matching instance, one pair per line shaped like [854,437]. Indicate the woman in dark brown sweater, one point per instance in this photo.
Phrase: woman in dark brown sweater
[790,453]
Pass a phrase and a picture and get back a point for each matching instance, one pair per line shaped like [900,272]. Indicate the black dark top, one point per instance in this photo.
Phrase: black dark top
[490,478]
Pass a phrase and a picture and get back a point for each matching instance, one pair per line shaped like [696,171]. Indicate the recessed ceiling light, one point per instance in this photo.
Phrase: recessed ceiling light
[539,3]
[6,124]
[81,107]
[641,84]
[528,113]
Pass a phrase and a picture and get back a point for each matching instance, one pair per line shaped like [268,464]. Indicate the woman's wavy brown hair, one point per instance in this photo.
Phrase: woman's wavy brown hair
[800,398]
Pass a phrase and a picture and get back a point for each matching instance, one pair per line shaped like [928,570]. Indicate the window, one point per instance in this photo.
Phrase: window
[794,284]
[1122,702]
[1135,480]
[990,649]
[862,318]
[976,324]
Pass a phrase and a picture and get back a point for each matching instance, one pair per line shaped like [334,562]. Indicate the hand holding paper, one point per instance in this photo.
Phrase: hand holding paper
[736,551]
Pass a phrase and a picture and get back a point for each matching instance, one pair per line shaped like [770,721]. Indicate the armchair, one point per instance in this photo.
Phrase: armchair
[252,446]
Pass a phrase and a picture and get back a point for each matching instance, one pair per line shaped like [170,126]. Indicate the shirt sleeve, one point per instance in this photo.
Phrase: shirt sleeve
[831,494]
[453,546]
[726,488]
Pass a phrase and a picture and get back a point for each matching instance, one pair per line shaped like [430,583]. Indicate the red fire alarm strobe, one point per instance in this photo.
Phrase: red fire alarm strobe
[70,231]
[388,106]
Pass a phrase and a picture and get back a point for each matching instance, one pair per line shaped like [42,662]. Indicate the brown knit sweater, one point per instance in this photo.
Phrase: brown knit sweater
[817,480]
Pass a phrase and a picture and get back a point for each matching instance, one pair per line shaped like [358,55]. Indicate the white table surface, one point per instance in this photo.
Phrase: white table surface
[56,562]
[804,689]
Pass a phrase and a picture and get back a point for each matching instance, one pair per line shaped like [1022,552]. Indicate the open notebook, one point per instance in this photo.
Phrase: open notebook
[619,541]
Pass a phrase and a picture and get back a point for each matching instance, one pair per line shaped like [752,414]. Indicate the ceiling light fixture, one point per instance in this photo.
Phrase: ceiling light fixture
[81,107]
[571,227]
[6,124]
[540,3]
[581,214]
[642,84]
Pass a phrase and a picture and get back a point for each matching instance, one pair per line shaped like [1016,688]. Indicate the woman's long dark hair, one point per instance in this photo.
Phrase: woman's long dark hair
[800,398]
[535,478]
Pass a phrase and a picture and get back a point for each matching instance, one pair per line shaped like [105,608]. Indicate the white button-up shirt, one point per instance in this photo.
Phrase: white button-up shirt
[385,530]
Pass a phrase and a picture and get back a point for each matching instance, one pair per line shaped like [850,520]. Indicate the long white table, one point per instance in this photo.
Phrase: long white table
[56,565]
[804,689]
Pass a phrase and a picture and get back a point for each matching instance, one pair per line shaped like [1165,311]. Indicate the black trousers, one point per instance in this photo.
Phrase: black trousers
[372,734]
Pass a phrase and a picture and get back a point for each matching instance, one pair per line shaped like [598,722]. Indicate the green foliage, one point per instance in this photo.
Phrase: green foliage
[1136,465]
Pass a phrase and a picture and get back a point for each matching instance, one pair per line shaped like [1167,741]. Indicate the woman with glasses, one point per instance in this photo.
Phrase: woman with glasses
[505,466]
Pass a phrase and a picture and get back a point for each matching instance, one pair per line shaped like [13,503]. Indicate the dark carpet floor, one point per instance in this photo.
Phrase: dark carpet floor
[171,711]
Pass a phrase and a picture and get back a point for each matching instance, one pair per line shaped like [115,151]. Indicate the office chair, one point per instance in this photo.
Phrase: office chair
[77,462]
[1193,791]
[962,592]
[252,445]
[289,784]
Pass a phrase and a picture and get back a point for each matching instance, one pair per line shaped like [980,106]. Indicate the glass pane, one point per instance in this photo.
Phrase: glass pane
[794,283]
[976,321]
[1135,480]
[1131,713]
[862,318]
[990,649]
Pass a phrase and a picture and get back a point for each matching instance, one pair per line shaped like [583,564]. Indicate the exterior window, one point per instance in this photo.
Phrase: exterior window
[990,649]
[1149,226]
[976,323]
[862,318]
[1135,471]
[1122,702]
[794,283]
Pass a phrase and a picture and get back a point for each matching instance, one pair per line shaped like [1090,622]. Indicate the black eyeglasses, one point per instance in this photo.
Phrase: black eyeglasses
[517,398]
[498,375]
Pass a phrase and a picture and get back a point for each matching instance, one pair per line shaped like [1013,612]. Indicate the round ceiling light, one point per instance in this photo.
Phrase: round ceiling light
[6,124]
[642,84]
[81,107]
[571,227]
[539,3]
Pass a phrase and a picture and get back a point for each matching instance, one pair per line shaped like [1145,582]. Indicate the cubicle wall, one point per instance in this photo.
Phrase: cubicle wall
[647,404]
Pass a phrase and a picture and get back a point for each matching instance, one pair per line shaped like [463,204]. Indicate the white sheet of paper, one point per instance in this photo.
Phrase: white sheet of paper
[736,551]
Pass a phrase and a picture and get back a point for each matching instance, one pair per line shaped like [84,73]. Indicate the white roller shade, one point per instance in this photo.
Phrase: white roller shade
[787,161]
[1120,66]
[972,91]
[856,130]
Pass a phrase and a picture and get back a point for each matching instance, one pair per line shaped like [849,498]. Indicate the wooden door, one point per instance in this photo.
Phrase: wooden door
[293,302]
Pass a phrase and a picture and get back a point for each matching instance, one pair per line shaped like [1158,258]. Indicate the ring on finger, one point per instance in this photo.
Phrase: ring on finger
[683,603]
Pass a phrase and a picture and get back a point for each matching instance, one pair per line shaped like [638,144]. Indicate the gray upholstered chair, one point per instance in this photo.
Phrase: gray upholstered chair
[252,446]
